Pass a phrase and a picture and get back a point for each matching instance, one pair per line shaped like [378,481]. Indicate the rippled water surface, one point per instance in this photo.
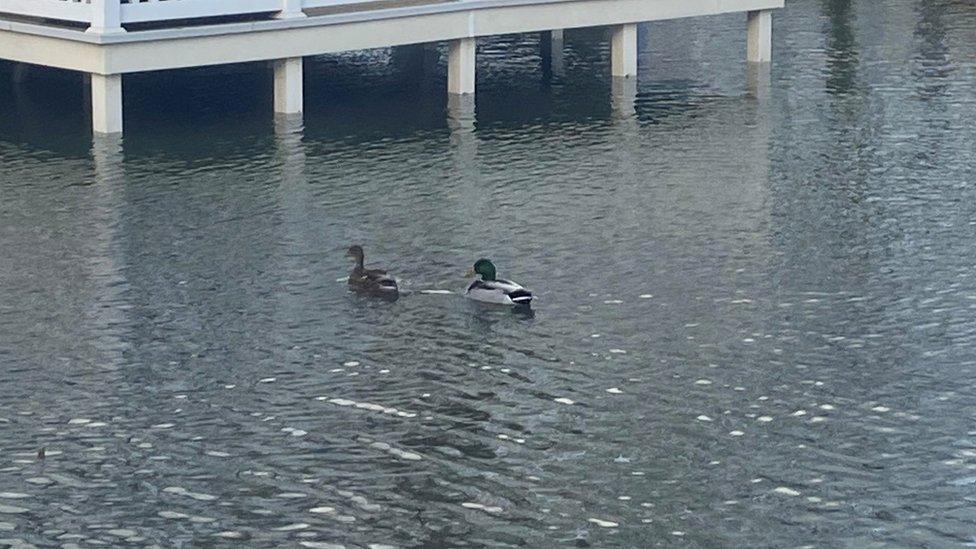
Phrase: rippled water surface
[755,296]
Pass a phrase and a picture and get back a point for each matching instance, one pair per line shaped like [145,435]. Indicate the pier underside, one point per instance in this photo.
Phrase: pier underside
[351,27]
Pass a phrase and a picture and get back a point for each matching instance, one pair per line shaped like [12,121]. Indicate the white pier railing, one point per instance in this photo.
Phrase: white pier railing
[109,15]
[50,9]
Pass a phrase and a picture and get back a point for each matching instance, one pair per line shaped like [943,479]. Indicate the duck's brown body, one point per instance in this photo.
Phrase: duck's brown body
[369,281]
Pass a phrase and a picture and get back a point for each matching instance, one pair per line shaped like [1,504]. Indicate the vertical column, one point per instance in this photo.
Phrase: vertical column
[623,97]
[106,99]
[106,17]
[760,36]
[290,9]
[460,66]
[288,98]
[623,50]
[551,51]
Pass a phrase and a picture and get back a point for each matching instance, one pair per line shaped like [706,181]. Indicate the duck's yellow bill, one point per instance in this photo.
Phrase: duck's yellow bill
[469,273]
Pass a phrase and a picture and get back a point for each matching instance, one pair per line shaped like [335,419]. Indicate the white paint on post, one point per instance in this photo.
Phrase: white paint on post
[760,38]
[106,99]
[623,50]
[623,98]
[556,35]
[106,17]
[460,66]
[290,9]
[288,82]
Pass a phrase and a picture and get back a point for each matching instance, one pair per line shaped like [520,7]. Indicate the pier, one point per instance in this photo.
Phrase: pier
[110,38]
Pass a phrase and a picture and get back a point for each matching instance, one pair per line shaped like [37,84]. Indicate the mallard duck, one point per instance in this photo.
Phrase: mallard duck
[490,289]
[373,281]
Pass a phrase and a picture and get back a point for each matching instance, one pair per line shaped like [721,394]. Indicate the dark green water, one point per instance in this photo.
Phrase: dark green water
[755,306]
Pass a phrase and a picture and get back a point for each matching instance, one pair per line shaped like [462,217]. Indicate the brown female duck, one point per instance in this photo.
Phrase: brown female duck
[370,281]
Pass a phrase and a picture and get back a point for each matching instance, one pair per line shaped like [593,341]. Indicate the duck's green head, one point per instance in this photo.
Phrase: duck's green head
[485,268]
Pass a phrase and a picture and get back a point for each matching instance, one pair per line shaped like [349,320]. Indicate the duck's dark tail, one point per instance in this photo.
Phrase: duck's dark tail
[521,297]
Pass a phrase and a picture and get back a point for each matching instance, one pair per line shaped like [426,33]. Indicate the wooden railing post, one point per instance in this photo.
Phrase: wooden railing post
[106,17]
[290,9]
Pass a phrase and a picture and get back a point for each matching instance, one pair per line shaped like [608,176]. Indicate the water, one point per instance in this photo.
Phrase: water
[754,297]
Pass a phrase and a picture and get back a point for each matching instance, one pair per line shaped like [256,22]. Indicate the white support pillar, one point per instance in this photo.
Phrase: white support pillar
[623,50]
[288,97]
[290,9]
[106,100]
[106,17]
[556,35]
[460,66]
[760,36]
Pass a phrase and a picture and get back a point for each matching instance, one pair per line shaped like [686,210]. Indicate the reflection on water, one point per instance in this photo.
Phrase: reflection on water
[842,48]
[753,323]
